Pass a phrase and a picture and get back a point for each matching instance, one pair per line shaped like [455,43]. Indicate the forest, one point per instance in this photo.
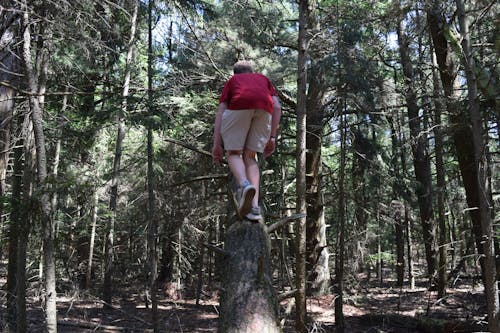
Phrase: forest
[379,203]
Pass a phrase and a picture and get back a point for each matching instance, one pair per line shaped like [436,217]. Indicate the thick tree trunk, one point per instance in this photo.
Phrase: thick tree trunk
[460,123]
[489,273]
[248,301]
[421,161]
[316,248]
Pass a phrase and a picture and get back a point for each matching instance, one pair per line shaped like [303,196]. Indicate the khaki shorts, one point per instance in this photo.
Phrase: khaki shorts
[246,129]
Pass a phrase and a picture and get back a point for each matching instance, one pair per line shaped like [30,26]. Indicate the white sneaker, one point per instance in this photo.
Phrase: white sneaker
[254,214]
[244,197]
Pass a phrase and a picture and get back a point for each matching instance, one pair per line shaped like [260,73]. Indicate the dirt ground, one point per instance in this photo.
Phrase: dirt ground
[372,309]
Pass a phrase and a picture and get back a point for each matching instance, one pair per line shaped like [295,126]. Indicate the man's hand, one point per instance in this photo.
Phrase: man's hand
[217,154]
[270,146]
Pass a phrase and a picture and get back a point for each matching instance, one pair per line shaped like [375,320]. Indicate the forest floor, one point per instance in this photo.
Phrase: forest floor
[368,308]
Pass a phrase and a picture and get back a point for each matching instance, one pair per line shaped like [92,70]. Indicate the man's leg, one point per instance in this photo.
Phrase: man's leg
[245,192]
[252,173]
[237,166]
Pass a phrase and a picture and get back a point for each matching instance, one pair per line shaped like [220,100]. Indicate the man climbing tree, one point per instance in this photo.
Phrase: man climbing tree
[246,123]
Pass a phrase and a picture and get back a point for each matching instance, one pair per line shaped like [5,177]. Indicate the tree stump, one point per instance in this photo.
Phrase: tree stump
[248,301]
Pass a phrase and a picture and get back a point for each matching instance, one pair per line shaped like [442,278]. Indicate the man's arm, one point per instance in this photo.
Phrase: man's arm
[217,151]
[271,144]
[276,116]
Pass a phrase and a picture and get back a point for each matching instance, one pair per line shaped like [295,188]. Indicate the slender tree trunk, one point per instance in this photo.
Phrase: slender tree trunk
[441,182]
[152,222]
[107,292]
[41,157]
[300,260]
[10,61]
[396,207]
[421,159]
[407,221]
[339,259]
[14,226]
[95,208]
[25,223]
[490,281]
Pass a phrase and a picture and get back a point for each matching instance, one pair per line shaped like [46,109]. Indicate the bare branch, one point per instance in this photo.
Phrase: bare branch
[216,249]
[284,221]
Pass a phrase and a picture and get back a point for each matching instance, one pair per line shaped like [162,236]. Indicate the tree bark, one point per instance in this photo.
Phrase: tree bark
[25,222]
[421,161]
[300,260]
[152,221]
[41,164]
[489,273]
[459,122]
[397,207]
[248,302]
[10,62]
[13,233]
[339,259]
[440,182]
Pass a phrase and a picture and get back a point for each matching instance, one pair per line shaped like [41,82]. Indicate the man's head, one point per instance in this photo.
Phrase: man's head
[242,66]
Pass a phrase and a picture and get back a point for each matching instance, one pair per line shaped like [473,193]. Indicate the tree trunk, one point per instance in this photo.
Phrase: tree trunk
[489,273]
[300,260]
[397,207]
[316,248]
[440,181]
[248,302]
[88,277]
[339,259]
[107,292]
[152,221]
[459,123]
[25,223]
[41,163]
[421,161]
[14,226]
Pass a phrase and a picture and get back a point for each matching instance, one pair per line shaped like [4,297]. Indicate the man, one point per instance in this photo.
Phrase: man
[246,123]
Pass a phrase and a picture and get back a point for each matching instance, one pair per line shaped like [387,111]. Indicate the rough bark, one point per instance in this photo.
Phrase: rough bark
[459,121]
[489,273]
[318,281]
[440,182]
[248,302]
[421,161]
[36,107]
[300,256]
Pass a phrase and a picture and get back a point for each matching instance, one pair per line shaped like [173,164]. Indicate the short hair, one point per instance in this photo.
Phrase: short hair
[242,66]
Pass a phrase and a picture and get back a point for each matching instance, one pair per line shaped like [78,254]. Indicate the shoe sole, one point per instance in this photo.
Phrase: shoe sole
[247,198]
[254,218]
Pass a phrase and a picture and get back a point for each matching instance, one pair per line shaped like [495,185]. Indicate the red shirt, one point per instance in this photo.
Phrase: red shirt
[248,91]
